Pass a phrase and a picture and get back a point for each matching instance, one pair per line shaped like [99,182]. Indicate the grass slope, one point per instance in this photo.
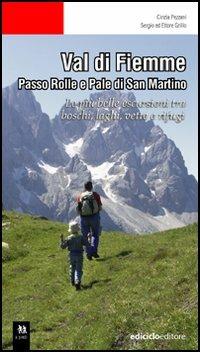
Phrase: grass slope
[141,284]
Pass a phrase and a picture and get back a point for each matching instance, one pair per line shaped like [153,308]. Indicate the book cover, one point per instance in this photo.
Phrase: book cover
[100,190]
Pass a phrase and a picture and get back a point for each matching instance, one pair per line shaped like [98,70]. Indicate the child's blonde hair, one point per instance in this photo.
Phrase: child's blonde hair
[74,227]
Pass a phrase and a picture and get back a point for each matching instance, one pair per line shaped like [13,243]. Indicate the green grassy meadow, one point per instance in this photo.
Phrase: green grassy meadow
[140,284]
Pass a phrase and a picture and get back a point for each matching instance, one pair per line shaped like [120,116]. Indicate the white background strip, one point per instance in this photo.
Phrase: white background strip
[126,17]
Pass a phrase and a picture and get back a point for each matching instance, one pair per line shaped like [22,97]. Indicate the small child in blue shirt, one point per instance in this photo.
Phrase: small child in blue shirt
[75,243]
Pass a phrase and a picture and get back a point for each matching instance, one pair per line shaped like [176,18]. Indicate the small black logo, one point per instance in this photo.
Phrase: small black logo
[21,336]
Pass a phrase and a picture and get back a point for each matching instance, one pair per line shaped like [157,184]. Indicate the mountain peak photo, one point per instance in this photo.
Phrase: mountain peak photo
[138,171]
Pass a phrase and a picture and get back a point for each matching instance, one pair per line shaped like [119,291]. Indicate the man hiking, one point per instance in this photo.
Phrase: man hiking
[89,206]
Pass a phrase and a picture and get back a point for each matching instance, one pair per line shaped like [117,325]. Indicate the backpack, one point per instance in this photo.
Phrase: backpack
[89,205]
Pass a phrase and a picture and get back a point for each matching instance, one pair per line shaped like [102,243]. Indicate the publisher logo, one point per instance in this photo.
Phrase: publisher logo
[155,336]
[21,336]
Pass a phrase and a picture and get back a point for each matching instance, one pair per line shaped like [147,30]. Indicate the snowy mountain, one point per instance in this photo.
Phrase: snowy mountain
[139,172]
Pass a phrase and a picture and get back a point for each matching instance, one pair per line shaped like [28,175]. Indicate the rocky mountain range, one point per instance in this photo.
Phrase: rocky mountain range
[138,171]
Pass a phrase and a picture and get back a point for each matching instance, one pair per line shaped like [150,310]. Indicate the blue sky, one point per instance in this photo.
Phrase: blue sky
[38,57]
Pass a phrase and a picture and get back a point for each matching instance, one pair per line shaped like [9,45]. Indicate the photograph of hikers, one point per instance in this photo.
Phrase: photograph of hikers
[100,190]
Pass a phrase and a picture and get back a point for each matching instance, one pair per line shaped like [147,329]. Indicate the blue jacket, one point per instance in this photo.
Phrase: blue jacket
[74,243]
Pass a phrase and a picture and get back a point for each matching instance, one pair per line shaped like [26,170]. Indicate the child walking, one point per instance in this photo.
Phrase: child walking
[74,243]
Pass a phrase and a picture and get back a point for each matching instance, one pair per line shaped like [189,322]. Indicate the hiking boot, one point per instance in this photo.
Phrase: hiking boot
[89,257]
[95,255]
[78,286]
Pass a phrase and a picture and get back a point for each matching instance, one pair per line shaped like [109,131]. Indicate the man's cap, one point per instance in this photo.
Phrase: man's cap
[88,185]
